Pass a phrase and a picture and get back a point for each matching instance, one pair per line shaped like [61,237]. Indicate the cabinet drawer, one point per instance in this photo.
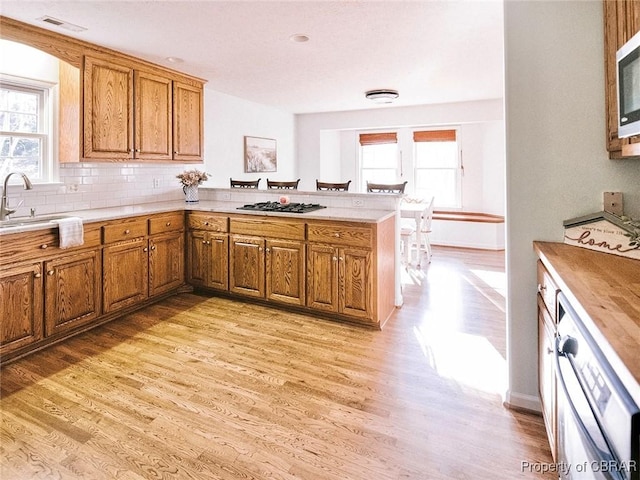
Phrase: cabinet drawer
[207,221]
[171,222]
[340,234]
[124,231]
[282,229]
[547,289]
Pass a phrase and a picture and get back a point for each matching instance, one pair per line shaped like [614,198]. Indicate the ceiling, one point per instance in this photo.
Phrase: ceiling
[433,51]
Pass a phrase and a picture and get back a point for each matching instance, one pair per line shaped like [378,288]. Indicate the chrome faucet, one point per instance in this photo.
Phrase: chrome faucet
[5,211]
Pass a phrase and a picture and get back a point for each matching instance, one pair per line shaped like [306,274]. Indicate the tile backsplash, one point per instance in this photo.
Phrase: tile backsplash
[85,186]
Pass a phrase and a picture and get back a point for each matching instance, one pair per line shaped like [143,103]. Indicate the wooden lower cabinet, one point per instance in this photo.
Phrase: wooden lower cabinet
[125,276]
[208,259]
[21,307]
[72,291]
[339,280]
[166,262]
[247,266]
[285,271]
[547,374]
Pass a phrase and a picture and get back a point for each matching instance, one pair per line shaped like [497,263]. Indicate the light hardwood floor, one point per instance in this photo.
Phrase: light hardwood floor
[209,388]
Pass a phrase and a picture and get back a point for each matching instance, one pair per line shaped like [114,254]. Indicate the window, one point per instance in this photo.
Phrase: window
[24,130]
[379,156]
[437,167]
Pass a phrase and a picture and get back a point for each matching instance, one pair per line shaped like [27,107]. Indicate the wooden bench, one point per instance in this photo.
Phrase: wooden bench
[468,230]
[468,217]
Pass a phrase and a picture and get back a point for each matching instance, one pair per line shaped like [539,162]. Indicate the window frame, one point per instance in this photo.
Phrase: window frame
[47,126]
[458,169]
[378,138]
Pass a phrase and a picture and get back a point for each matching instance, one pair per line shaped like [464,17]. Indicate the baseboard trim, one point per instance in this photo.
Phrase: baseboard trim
[520,401]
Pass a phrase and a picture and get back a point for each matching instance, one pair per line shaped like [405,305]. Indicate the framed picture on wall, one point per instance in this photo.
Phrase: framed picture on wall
[260,155]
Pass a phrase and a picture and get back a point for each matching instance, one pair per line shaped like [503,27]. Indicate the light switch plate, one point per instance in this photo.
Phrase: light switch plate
[613,203]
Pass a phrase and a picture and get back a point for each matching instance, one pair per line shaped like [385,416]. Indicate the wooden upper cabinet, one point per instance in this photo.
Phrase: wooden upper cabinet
[153,117]
[187,122]
[108,110]
[139,115]
[621,22]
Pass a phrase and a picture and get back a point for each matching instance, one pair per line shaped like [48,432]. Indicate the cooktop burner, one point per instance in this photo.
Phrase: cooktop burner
[279,207]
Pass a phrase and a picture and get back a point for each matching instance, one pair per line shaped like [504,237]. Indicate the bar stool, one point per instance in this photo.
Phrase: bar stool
[283,185]
[335,187]
[244,183]
[386,187]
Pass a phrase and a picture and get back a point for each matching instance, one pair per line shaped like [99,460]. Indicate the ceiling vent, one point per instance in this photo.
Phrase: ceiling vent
[62,24]
[382,95]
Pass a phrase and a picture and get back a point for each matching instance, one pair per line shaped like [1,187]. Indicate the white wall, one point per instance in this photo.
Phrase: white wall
[227,120]
[557,164]
[481,134]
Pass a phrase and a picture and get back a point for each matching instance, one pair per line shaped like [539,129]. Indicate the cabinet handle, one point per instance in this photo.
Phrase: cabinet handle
[549,351]
[168,224]
[38,275]
[127,231]
[541,288]
[50,272]
[145,249]
[44,245]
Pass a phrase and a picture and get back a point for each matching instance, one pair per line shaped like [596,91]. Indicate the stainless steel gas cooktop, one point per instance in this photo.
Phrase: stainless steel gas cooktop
[282,207]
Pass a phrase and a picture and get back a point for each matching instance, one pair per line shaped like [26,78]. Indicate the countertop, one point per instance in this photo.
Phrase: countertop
[103,214]
[604,290]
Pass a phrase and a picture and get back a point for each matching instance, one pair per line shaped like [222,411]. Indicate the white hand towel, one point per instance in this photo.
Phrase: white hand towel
[71,232]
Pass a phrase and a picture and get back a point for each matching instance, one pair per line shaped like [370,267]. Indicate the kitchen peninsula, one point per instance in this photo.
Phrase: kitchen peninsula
[338,263]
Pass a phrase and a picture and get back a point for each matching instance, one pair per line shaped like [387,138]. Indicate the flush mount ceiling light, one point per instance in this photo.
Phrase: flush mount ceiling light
[61,23]
[382,95]
[174,60]
[299,38]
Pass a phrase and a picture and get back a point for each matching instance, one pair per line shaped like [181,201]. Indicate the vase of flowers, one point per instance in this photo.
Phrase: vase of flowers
[190,179]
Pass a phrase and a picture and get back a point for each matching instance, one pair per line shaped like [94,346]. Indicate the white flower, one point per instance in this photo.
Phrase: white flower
[192,177]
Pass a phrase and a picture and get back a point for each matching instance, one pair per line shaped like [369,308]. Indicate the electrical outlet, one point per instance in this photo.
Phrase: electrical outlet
[226,196]
[72,187]
[358,202]
[613,203]
[156,183]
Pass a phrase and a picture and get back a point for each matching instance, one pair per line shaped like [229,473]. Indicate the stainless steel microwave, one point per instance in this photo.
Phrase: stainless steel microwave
[628,63]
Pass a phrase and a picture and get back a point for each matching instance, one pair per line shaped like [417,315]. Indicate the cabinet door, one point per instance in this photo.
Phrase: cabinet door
[72,292]
[355,283]
[187,122]
[218,261]
[197,258]
[108,110]
[125,274]
[20,307]
[166,263]
[547,374]
[246,265]
[322,277]
[153,117]
[285,272]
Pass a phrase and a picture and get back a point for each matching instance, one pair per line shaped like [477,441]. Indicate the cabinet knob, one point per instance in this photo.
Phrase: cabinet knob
[44,245]
[259,249]
[168,224]
[206,223]
[204,241]
[50,272]
[541,288]
[267,249]
[153,247]
[137,150]
[145,249]
[208,242]
[127,231]
[336,235]
[335,259]
[38,275]
[549,350]
[341,259]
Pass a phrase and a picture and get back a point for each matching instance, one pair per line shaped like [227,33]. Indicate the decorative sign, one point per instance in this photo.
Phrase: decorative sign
[601,235]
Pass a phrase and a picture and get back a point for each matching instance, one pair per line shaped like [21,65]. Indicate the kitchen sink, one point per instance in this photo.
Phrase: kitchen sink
[30,221]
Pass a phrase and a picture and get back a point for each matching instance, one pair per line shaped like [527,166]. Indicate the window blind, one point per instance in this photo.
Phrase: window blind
[435,136]
[378,138]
